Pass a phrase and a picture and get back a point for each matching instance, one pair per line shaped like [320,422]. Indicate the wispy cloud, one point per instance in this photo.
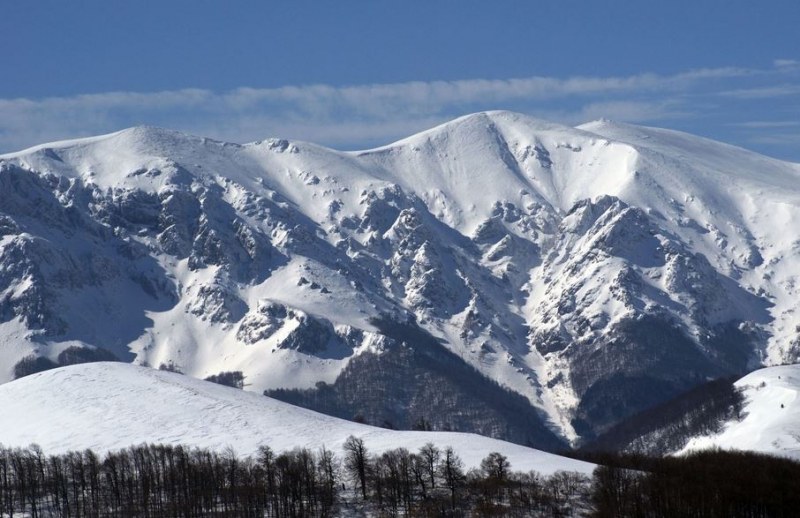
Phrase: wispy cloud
[764,92]
[369,114]
[782,63]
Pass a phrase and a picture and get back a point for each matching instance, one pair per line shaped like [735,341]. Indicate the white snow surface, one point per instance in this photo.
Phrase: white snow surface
[108,406]
[771,422]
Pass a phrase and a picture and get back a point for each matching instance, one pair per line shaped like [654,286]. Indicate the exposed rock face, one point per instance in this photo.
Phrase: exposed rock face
[671,308]
[593,272]
[262,324]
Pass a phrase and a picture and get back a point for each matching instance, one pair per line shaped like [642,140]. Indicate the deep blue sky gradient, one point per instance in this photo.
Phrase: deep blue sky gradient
[66,49]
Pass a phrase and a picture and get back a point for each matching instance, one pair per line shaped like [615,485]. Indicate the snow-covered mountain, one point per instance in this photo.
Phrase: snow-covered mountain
[590,272]
[770,419]
[110,406]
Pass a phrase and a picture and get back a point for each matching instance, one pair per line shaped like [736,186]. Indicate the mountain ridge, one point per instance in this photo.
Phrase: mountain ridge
[570,267]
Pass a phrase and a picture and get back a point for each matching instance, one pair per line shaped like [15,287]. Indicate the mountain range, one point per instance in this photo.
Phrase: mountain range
[497,274]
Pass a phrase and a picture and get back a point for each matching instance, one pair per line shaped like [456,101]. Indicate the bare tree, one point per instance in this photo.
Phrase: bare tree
[355,462]
[452,471]
[495,466]
[328,469]
[430,455]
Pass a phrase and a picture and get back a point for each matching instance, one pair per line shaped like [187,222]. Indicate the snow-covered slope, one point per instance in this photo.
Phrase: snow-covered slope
[770,420]
[574,266]
[109,406]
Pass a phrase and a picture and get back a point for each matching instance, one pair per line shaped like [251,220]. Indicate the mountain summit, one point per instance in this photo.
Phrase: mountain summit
[497,274]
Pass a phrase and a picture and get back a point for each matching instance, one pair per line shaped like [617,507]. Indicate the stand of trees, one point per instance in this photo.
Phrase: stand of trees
[707,484]
[668,426]
[173,481]
[433,482]
[233,379]
[72,355]
[168,481]
[417,383]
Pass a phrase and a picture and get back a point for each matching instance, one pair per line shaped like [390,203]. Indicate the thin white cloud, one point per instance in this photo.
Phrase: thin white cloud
[763,92]
[376,97]
[780,63]
[351,114]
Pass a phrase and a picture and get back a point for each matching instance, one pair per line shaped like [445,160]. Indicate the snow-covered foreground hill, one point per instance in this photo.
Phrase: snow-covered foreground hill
[771,422]
[109,406]
[589,272]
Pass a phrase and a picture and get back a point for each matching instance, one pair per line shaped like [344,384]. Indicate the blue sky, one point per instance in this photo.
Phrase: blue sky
[356,74]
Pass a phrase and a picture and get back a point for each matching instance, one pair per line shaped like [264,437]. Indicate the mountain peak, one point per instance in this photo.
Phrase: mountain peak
[150,132]
[161,139]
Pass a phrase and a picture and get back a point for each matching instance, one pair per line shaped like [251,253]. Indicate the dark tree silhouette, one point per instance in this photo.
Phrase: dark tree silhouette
[355,462]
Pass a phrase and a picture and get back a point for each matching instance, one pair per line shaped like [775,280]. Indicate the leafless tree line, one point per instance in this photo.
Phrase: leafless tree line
[176,481]
[434,482]
[168,481]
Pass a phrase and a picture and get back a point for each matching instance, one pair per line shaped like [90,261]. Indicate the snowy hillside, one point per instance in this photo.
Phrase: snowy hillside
[109,406]
[771,415]
[591,272]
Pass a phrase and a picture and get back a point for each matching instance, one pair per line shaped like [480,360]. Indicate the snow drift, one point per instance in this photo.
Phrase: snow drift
[109,406]
[770,421]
